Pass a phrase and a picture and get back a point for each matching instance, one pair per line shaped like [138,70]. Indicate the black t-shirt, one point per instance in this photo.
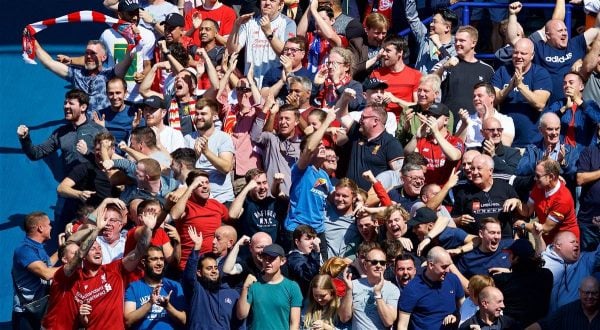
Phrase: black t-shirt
[371,155]
[88,176]
[469,199]
[526,293]
[457,88]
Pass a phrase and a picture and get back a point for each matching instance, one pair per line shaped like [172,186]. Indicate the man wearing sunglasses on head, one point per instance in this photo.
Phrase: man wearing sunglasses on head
[370,301]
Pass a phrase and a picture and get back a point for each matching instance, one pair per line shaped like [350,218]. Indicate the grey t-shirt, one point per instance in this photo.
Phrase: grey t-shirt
[364,305]
[341,233]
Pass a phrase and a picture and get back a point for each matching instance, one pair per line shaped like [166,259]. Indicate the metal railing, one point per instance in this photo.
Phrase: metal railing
[466,16]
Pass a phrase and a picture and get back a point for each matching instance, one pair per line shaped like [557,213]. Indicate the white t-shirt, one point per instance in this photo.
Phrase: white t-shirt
[158,12]
[474,138]
[258,47]
[116,47]
[171,139]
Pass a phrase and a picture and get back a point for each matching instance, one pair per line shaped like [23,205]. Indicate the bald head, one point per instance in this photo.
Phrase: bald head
[484,160]
[566,246]
[489,292]
[525,44]
[556,34]
[437,254]
[549,119]
[258,243]
[523,54]
[491,122]
[589,282]
[228,232]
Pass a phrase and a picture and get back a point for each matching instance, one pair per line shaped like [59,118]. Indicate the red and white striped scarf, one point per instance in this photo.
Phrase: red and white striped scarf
[189,108]
[123,27]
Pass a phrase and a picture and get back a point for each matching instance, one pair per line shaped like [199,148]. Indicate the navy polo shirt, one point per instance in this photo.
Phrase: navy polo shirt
[430,302]
[479,262]
[374,154]
[451,238]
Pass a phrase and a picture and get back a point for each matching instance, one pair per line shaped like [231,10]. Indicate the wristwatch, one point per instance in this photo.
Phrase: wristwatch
[270,36]
[378,296]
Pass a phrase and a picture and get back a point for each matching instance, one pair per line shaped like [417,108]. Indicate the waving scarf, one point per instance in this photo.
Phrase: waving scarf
[124,28]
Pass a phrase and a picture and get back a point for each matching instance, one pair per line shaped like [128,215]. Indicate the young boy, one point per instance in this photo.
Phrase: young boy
[305,260]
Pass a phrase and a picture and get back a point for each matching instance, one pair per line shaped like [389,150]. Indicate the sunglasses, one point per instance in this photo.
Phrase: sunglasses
[243,89]
[374,262]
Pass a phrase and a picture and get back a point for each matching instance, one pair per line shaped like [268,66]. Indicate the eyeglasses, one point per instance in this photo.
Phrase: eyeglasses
[374,262]
[332,159]
[415,178]
[243,89]
[588,293]
[337,63]
[492,130]
[363,117]
[291,50]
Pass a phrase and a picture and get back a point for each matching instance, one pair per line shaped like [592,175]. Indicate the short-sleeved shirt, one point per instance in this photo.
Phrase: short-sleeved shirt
[118,123]
[341,233]
[374,154]
[524,116]
[589,201]
[555,205]
[438,166]
[221,187]
[92,85]
[430,302]
[262,216]
[479,262]
[364,304]
[558,62]
[469,199]
[401,84]
[29,286]
[158,318]
[271,304]
[206,216]
[308,198]
[90,177]
[224,16]
[451,238]
[258,47]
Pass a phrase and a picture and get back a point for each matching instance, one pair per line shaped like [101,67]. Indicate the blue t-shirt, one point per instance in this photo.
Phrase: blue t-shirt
[451,238]
[430,302]
[139,292]
[479,262]
[30,286]
[515,106]
[308,198]
[118,123]
[558,62]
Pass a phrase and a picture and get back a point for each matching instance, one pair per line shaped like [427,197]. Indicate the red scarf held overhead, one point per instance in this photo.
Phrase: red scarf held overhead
[122,27]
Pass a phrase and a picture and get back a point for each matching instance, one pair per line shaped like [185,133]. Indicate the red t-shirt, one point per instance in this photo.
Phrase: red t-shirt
[438,167]
[557,206]
[224,16]
[401,84]
[384,8]
[62,310]
[206,217]
[103,291]
[159,238]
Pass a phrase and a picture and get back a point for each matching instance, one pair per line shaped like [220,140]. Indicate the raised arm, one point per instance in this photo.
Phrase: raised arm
[303,24]
[418,28]
[345,310]
[313,141]
[58,68]
[234,42]
[123,65]
[590,61]
[178,210]
[512,29]
[326,28]
[132,259]
[237,206]
[146,84]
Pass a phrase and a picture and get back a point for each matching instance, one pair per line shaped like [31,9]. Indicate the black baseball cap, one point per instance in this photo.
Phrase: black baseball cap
[374,83]
[155,102]
[173,19]
[423,215]
[128,5]
[438,109]
[521,248]
[273,250]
